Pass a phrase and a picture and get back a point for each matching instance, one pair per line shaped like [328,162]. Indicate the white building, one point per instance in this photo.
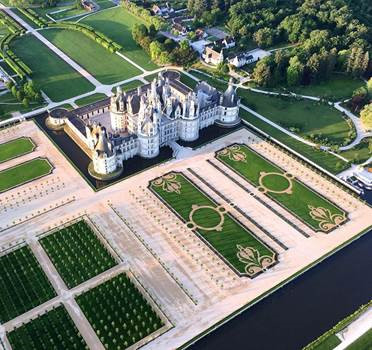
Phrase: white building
[248,57]
[141,121]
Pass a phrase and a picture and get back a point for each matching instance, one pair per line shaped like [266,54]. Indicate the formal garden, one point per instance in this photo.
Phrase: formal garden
[106,67]
[118,312]
[57,78]
[23,284]
[212,222]
[16,148]
[24,172]
[52,330]
[310,207]
[77,253]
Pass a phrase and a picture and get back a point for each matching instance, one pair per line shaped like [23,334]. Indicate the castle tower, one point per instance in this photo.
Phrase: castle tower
[188,127]
[229,107]
[118,111]
[148,134]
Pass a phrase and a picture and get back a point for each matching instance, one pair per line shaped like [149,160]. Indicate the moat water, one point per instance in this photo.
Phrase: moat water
[305,308]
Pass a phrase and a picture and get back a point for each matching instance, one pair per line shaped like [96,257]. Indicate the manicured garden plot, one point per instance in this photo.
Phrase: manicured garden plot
[232,241]
[313,209]
[77,253]
[68,12]
[306,118]
[105,66]
[90,99]
[359,153]
[24,172]
[119,313]
[130,86]
[23,284]
[52,330]
[53,75]
[362,343]
[15,148]
[188,81]
[117,24]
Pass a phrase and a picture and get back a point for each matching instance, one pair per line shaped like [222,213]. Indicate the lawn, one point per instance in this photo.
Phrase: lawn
[53,75]
[131,85]
[362,343]
[77,253]
[119,313]
[90,99]
[307,118]
[15,148]
[67,12]
[23,284]
[232,241]
[360,153]
[310,207]
[188,81]
[219,85]
[324,159]
[339,87]
[24,172]
[106,67]
[9,105]
[52,330]
[117,24]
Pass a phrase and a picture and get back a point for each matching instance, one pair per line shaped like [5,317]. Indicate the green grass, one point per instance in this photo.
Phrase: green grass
[9,105]
[77,253]
[188,81]
[68,12]
[362,343]
[360,153]
[250,164]
[219,85]
[225,242]
[328,343]
[129,86]
[106,67]
[310,118]
[90,99]
[24,172]
[53,75]
[119,313]
[52,330]
[117,24]
[15,148]
[26,19]
[325,160]
[23,284]
[339,87]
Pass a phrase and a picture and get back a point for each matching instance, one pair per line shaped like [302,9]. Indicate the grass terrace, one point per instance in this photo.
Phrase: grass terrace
[68,11]
[56,78]
[106,67]
[310,207]
[117,24]
[90,99]
[214,225]
[306,118]
[9,105]
[77,253]
[130,86]
[23,173]
[23,284]
[325,160]
[362,343]
[52,330]
[119,313]
[15,148]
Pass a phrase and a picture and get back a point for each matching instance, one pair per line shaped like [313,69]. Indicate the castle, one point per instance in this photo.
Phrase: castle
[141,121]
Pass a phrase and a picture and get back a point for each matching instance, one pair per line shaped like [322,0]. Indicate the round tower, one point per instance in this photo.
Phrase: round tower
[189,121]
[229,107]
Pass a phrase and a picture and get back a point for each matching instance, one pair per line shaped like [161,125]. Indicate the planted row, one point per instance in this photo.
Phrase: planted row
[34,17]
[10,23]
[88,31]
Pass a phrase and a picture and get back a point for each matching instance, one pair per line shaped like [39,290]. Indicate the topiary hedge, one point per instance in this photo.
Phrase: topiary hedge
[34,17]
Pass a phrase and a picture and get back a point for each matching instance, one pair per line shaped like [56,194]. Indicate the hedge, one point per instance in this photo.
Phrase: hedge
[34,17]
[11,24]
[88,31]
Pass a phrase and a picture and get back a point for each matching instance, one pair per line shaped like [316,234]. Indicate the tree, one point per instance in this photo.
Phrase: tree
[26,102]
[264,37]
[294,71]
[366,116]
[262,73]
[369,88]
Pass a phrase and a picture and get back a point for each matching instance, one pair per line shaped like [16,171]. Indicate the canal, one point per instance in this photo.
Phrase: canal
[305,308]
